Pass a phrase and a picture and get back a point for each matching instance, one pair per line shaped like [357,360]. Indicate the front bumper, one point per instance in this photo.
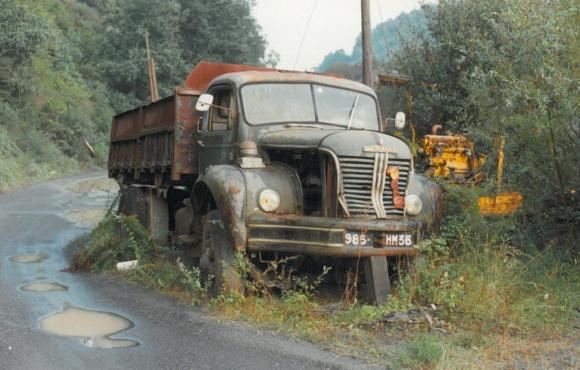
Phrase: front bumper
[325,236]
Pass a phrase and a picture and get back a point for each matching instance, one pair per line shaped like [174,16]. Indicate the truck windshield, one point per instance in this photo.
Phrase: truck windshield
[308,103]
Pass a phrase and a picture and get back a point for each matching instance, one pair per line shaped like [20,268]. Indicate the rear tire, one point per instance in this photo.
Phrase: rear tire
[218,259]
[133,202]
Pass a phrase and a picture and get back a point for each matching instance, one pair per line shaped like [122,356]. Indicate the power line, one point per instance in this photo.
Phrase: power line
[382,28]
[304,35]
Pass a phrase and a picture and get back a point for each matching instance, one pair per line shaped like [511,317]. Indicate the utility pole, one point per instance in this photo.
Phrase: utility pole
[367,52]
[151,71]
[376,268]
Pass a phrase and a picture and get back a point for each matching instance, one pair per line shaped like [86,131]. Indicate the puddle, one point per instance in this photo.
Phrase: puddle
[92,328]
[43,287]
[32,258]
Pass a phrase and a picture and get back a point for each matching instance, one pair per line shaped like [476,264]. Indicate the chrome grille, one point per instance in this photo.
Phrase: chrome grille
[357,180]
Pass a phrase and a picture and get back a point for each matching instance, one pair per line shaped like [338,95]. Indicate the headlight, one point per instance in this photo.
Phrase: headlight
[413,205]
[269,200]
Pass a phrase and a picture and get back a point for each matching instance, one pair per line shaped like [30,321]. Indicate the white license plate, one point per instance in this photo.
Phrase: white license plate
[356,239]
[398,240]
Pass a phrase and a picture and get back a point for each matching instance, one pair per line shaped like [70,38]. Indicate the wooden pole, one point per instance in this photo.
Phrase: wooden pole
[151,71]
[367,53]
[376,268]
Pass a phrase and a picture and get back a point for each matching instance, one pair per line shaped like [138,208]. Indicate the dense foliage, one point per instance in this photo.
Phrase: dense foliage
[68,66]
[507,69]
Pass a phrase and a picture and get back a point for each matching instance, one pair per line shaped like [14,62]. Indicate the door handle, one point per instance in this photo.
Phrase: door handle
[201,144]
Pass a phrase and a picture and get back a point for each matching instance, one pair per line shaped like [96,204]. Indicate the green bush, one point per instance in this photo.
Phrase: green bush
[120,238]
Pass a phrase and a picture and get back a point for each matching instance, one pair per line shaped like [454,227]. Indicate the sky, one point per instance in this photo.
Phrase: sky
[335,25]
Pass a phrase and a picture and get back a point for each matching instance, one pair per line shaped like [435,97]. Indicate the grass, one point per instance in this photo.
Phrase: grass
[422,351]
[500,304]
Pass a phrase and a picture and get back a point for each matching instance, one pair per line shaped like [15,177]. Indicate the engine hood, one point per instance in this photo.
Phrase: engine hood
[341,142]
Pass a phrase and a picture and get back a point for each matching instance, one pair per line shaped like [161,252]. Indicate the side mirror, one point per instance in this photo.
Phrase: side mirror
[204,102]
[400,120]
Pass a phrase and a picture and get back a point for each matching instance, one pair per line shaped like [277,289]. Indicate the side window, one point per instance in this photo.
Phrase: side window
[221,113]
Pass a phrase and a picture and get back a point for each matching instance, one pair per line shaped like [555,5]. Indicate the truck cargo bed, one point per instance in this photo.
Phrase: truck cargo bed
[158,141]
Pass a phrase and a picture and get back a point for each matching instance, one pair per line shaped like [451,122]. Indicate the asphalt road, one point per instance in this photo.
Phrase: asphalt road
[43,219]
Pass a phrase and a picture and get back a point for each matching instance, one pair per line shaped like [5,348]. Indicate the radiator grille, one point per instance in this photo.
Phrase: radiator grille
[357,179]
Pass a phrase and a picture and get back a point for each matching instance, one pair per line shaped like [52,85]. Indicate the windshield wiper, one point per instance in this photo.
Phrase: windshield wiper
[351,114]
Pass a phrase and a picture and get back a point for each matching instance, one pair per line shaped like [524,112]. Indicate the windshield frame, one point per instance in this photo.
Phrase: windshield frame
[312,85]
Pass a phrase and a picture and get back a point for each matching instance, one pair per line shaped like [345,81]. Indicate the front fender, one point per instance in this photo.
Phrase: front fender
[431,195]
[227,186]
[276,176]
[235,192]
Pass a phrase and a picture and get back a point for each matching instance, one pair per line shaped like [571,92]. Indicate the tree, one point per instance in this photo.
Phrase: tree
[182,33]
[21,32]
[120,54]
[506,68]
[220,31]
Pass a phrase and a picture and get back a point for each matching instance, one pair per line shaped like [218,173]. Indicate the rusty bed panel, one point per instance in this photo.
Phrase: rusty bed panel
[160,137]
[186,134]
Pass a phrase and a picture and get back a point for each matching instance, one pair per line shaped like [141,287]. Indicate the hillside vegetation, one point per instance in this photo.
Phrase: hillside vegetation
[69,65]
[386,40]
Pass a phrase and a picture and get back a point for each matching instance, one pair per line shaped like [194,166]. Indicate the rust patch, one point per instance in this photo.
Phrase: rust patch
[234,189]
[398,200]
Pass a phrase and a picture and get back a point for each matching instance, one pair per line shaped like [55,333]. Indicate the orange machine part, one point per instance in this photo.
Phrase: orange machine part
[501,204]
[450,155]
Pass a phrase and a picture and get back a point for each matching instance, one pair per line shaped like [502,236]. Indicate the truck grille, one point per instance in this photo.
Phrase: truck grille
[357,180]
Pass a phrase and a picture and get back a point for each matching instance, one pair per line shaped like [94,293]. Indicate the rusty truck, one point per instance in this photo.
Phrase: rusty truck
[244,159]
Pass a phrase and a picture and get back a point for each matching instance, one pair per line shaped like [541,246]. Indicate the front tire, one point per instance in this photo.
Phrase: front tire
[218,259]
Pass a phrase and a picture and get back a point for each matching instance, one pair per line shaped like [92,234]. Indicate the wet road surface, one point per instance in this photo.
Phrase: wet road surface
[50,319]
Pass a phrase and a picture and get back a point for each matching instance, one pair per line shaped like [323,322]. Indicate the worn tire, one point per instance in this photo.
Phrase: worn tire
[218,259]
[133,202]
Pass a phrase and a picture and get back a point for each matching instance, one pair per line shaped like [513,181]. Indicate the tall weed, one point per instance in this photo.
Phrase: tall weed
[486,276]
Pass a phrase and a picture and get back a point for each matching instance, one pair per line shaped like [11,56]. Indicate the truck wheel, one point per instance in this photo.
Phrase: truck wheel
[218,258]
[133,202]
[157,217]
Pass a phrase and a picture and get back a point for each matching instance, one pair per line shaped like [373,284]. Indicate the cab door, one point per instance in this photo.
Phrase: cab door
[218,136]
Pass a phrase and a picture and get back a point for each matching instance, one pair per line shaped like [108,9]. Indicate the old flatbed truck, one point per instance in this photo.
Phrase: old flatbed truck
[256,160]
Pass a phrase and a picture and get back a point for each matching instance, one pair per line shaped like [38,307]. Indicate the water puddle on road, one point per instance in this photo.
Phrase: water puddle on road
[43,287]
[93,328]
[31,258]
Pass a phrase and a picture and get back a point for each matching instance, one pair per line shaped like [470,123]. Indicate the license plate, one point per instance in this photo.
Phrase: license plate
[397,240]
[356,239]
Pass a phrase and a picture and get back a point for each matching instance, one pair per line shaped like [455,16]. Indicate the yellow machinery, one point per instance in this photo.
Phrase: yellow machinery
[501,204]
[450,156]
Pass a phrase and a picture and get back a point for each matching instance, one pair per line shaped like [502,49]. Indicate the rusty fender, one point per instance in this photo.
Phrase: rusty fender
[236,193]
[431,194]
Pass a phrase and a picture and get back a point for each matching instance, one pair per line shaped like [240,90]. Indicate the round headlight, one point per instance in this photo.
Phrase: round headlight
[269,200]
[413,204]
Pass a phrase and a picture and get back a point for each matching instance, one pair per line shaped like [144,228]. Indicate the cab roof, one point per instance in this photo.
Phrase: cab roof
[248,77]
